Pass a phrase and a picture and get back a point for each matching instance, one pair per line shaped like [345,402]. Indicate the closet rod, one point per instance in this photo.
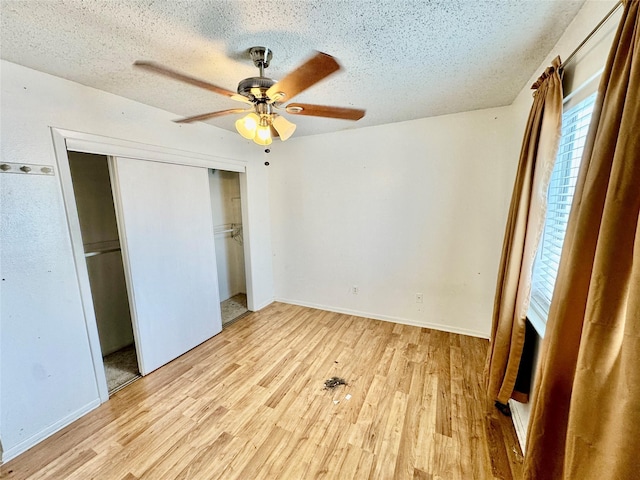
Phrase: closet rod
[591,34]
[235,227]
[100,252]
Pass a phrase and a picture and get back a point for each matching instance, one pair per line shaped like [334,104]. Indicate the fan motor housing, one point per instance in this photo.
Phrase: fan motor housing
[255,87]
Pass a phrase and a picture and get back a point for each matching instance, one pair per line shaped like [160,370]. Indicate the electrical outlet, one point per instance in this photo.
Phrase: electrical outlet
[419,298]
[354,290]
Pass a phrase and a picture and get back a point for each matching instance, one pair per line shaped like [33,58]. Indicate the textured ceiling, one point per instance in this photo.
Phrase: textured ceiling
[401,59]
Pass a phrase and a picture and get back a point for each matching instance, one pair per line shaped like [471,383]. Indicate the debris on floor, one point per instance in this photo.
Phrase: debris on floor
[333,382]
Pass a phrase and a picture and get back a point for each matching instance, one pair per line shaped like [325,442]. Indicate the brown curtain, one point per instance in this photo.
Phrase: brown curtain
[585,421]
[524,227]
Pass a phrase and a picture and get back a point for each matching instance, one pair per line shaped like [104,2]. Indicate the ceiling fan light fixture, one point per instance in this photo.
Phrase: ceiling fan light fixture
[265,95]
[263,135]
[284,127]
[248,125]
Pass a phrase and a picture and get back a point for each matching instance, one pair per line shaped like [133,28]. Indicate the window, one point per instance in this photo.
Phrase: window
[575,124]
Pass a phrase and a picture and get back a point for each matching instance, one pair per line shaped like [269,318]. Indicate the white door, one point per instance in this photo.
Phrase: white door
[166,232]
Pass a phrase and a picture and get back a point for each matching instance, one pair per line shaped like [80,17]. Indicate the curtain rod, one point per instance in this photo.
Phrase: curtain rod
[591,34]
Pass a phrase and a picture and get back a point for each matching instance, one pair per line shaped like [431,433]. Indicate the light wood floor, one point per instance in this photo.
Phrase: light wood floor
[250,404]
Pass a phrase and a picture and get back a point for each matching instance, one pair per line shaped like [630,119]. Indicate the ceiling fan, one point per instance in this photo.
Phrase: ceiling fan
[267,96]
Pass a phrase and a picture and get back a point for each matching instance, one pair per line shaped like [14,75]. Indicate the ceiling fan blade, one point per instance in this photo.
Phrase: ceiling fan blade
[310,72]
[167,72]
[325,111]
[206,116]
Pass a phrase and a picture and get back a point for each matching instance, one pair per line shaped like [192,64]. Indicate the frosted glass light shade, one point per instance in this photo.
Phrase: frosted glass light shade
[284,127]
[263,135]
[247,126]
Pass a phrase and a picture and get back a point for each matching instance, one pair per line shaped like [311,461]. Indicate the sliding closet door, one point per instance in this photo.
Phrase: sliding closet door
[167,241]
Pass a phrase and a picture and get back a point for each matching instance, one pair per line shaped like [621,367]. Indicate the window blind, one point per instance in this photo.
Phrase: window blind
[575,125]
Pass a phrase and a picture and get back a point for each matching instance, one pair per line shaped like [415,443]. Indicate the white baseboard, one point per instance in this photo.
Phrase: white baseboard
[519,422]
[386,318]
[32,441]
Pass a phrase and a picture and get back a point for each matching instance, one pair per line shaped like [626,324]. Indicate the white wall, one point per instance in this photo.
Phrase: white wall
[226,209]
[399,209]
[594,52]
[46,367]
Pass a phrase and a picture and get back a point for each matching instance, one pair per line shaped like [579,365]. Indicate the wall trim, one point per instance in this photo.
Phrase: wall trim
[385,318]
[47,432]
[101,145]
[77,249]
[518,423]
[69,140]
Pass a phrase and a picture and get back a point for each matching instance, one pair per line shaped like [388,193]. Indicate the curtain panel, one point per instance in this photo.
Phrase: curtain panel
[522,236]
[585,420]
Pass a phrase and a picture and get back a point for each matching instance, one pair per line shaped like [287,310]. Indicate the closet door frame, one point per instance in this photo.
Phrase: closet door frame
[64,140]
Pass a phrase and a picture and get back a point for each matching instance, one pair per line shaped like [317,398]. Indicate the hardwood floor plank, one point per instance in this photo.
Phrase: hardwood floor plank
[388,443]
[279,365]
[298,465]
[445,457]
[212,462]
[287,384]
[328,464]
[443,359]
[347,465]
[251,403]
[360,431]
[289,452]
[497,451]
[63,468]
[186,458]
[405,461]
[423,446]
[400,372]
[257,466]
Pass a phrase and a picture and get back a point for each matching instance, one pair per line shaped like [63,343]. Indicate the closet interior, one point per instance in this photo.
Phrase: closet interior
[92,176]
[226,207]
[99,228]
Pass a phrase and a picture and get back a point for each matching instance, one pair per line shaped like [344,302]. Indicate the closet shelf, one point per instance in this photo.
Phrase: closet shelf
[100,252]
